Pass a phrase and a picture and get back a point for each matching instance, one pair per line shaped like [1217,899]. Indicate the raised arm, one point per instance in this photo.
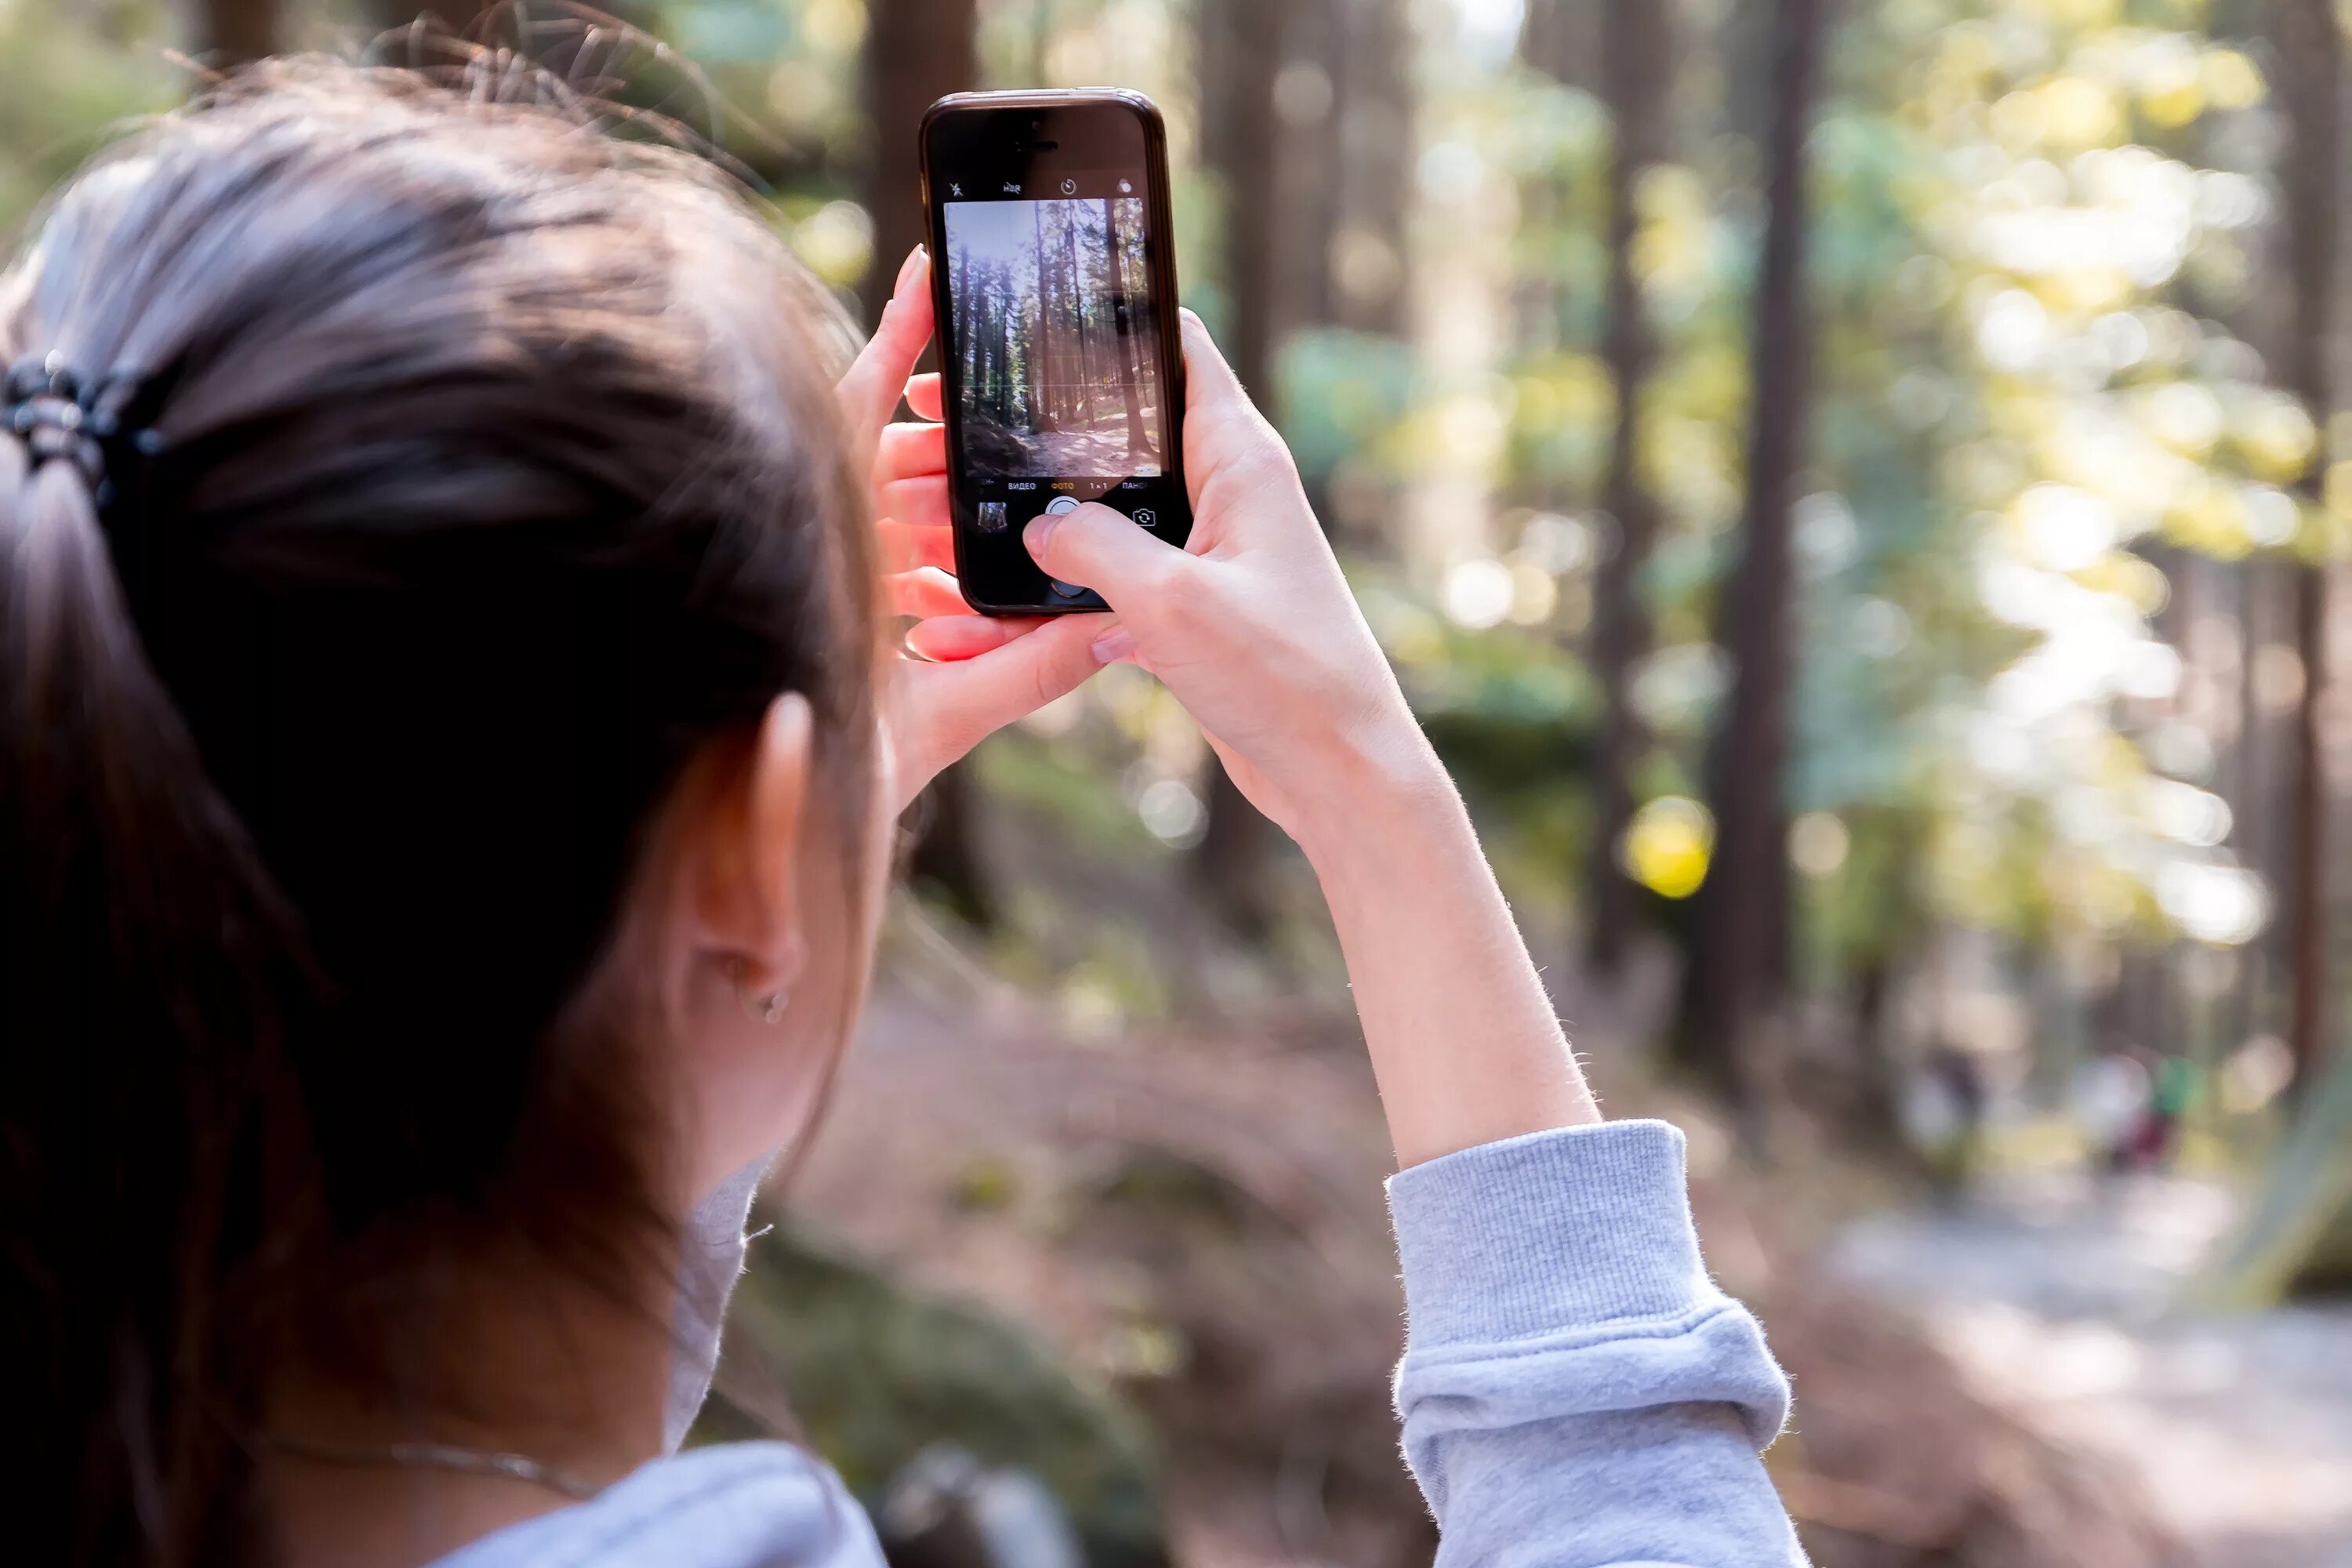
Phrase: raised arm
[1254,629]
[1575,1390]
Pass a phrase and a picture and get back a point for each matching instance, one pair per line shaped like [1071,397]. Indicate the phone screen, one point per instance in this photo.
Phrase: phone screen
[1058,342]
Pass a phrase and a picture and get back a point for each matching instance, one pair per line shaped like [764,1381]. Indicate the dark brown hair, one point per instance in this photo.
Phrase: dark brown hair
[494,477]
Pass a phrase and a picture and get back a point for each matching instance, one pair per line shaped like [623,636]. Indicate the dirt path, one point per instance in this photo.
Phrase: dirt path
[2055,1295]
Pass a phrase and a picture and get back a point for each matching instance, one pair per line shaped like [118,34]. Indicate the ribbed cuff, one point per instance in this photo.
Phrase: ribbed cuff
[1552,1231]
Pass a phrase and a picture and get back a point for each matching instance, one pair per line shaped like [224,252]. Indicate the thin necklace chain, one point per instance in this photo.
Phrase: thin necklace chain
[442,1456]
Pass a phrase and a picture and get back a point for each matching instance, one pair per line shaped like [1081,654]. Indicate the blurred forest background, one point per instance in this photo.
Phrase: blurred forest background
[1860,491]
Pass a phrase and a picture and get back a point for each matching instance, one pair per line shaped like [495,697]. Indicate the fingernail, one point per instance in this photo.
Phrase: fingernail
[1039,533]
[1114,644]
[906,269]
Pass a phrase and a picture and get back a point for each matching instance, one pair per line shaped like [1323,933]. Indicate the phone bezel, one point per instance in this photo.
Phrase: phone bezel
[1166,306]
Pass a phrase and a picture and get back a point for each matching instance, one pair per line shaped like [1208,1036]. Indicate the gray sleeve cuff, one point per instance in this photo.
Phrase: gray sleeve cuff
[1575,1228]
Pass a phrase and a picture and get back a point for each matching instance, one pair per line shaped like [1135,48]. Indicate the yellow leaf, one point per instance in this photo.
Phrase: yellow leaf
[2230,80]
[1668,845]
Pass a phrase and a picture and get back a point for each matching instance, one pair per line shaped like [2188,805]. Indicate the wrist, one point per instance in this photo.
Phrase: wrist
[1383,789]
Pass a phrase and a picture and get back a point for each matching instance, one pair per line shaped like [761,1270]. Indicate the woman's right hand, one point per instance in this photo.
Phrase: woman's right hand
[1254,629]
[1251,626]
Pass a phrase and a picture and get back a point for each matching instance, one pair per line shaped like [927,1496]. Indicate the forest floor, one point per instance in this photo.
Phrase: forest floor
[1193,1213]
[1197,1220]
[2055,1294]
[1105,452]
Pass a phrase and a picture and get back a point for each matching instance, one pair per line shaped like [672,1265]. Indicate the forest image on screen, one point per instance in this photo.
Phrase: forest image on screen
[1058,346]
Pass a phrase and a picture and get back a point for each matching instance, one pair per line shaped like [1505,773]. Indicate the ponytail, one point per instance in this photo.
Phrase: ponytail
[144,1096]
[495,484]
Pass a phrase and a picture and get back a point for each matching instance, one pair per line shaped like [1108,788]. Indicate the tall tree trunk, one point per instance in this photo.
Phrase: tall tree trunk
[1050,407]
[1311,105]
[1744,39]
[2251,795]
[1377,144]
[1083,350]
[1562,39]
[237,32]
[2244,767]
[986,331]
[1033,362]
[917,51]
[2312,53]
[1741,916]
[964,339]
[1122,326]
[1049,319]
[1240,54]
[1637,70]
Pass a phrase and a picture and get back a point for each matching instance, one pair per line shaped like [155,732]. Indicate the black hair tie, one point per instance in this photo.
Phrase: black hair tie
[58,414]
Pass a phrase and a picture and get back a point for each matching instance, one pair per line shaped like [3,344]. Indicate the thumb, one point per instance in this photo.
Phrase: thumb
[1209,377]
[1107,551]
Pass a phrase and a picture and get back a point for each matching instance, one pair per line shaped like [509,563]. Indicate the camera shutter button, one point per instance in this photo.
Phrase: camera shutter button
[1058,507]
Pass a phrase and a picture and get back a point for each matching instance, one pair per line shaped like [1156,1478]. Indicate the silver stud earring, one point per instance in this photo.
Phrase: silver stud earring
[760,1007]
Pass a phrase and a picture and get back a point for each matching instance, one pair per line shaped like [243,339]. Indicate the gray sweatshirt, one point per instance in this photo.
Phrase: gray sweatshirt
[1575,1390]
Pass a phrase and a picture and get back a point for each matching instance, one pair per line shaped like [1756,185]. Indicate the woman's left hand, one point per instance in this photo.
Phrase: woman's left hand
[961,676]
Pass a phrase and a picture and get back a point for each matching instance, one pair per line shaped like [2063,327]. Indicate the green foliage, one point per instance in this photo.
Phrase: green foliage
[877,1372]
[69,75]
[2038,239]
[2298,1231]
[2013,401]
[1339,392]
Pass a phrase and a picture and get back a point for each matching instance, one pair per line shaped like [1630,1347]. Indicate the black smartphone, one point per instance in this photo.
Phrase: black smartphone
[1062,371]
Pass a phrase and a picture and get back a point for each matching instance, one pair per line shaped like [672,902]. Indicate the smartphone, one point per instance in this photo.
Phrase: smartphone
[1062,373]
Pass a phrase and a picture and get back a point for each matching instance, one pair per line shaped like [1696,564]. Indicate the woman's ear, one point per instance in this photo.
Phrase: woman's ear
[745,898]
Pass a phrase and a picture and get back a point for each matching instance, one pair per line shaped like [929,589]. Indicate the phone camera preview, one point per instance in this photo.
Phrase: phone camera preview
[1050,306]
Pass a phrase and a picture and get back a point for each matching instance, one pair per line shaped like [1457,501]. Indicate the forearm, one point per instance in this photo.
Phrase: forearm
[1464,1041]
[1575,1392]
